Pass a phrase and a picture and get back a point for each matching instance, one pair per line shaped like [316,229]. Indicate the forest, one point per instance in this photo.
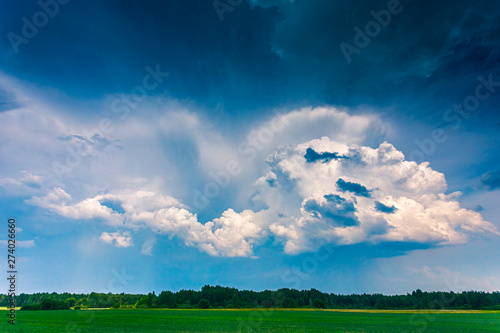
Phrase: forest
[226,297]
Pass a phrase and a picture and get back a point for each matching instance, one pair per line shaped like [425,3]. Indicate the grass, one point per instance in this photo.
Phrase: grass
[253,320]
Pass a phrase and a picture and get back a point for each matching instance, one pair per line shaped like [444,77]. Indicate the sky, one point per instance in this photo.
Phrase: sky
[257,144]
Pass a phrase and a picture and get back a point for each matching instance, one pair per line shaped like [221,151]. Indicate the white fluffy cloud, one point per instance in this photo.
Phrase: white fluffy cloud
[58,201]
[300,203]
[232,234]
[128,209]
[321,191]
[119,239]
[349,194]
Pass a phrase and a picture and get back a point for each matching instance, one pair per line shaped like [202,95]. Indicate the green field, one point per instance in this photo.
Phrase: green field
[257,320]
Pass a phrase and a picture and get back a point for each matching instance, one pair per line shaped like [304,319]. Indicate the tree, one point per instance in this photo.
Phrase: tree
[290,303]
[204,304]
[230,297]
[70,301]
[142,303]
[151,297]
[319,304]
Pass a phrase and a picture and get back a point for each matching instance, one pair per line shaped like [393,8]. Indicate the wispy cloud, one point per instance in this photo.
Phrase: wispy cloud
[147,246]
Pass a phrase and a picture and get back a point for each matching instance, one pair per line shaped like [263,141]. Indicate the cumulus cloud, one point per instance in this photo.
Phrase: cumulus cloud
[307,204]
[119,239]
[305,124]
[232,234]
[407,202]
[334,189]
[137,206]
[58,201]
[186,147]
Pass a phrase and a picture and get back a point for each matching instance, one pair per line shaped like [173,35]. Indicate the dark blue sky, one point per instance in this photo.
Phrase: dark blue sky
[207,169]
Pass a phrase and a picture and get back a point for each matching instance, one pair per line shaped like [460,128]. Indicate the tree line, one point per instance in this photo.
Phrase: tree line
[225,297]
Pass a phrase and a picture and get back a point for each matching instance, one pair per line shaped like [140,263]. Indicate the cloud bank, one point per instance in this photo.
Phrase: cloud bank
[295,189]
[370,195]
